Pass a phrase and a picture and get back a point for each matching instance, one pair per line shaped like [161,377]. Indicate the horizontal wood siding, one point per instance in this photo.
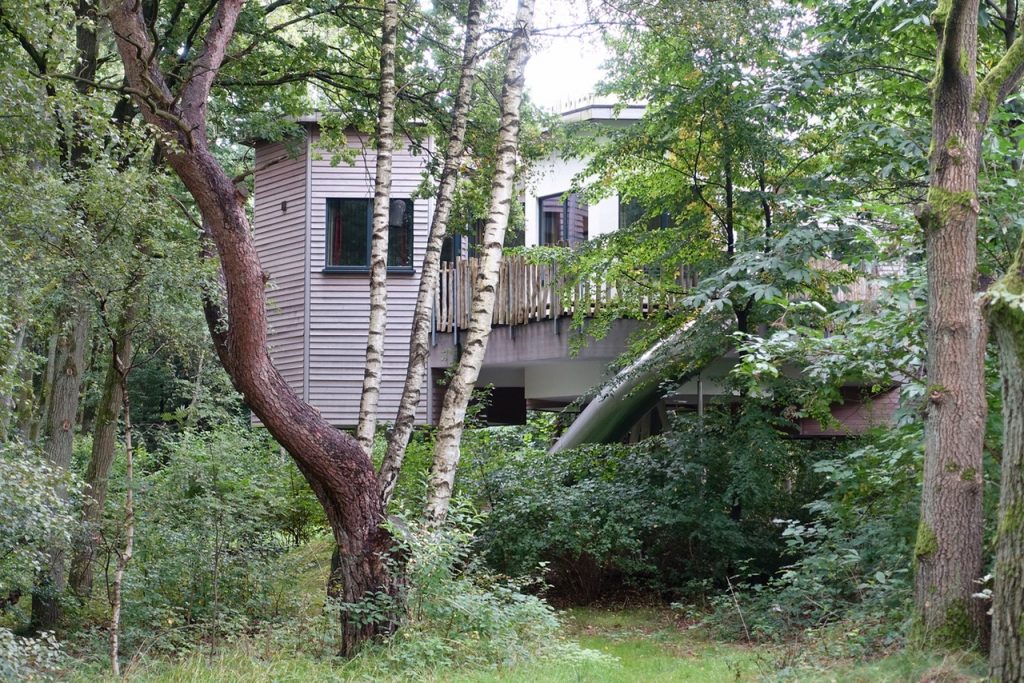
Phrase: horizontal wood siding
[339,305]
[280,232]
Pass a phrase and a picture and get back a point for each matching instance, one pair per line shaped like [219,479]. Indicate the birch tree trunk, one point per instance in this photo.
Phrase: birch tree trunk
[367,423]
[419,338]
[125,555]
[11,370]
[456,399]
[69,359]
[948,553]
[101,457]
[337,468]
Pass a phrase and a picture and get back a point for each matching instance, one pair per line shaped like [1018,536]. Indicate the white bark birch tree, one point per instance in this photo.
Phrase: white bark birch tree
[124,556]
[456,400]
[419,338]
[387,93]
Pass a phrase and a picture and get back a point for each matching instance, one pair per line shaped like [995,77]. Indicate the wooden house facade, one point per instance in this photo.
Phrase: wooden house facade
[312,223]
[312,227]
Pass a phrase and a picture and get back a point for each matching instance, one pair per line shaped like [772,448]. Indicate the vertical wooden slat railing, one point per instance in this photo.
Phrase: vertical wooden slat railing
[529,292]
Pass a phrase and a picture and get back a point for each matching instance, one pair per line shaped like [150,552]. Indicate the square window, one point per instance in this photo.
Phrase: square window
[349,229]
[631,213]
[563,221]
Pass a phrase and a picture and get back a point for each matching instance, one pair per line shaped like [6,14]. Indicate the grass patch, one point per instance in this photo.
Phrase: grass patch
[636,644]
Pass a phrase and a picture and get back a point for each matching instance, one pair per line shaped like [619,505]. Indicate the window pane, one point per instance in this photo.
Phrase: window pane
[579,220]
[564,222]
[631,212]
[551,220]
[348,232]
[400,227]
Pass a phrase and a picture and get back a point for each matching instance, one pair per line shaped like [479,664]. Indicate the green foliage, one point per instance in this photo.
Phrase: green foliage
[461,615]
[28,659]
[664,515]
[36,516]
[851,560]
[215,513]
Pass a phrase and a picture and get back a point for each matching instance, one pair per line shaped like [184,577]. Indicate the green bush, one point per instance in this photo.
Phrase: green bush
[672,514]
[28,659]
[37,512]
[216,511]
[851,560]
[460,614]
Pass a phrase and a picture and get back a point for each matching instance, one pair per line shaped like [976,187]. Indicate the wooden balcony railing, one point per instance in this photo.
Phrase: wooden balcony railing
[529,292]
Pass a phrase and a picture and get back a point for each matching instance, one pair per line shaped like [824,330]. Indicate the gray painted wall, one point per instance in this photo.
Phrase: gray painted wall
[280,235]
[328,328]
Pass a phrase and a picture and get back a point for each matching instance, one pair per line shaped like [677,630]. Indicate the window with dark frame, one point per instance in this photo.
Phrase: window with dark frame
[631,212]
[350,225]
[564,220]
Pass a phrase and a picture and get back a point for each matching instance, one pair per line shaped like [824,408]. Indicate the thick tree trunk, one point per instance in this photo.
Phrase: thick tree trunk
[419,338]
[948,550]
[101,458]
[456,399]
[337,467]
[63,409]
[367,423]
[1006,663]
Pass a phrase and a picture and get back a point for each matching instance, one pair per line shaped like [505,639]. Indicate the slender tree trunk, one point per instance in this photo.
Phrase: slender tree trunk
[26,415]
[11,371]
[948,555]
[419,338]
[456,399]
[367,423]
[124,556]
[104,450]
[40,425]
[62,409]
[337,467]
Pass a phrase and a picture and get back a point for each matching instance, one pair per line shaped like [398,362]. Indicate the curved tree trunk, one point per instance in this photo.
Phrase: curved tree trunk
[62,406]
[419,338]
[337,468]
[367,424]
[456,398]
[101,458]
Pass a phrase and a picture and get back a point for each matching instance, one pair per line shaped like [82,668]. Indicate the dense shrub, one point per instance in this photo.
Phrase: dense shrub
[852,559]
[215,513]
[458,613]
[671,514]
[36,514]
[28,659]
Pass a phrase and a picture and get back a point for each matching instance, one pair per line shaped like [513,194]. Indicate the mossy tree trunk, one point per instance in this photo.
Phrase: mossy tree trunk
[101,456]
[948,551]
[62,409]
[1007,657]
[948,554]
